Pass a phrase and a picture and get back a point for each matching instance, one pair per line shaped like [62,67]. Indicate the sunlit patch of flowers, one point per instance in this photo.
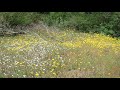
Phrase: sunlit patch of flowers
[103,42]
[33,56]
[20,43]
[72,44]
[98,41]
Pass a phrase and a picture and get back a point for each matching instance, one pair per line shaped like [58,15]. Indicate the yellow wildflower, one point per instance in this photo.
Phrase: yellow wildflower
[53,59]
[54,74]
[36,74]
[42,72]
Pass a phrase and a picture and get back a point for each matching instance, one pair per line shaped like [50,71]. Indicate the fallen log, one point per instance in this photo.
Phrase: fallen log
[10,33]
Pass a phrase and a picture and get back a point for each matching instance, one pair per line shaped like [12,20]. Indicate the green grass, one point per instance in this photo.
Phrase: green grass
[59,54]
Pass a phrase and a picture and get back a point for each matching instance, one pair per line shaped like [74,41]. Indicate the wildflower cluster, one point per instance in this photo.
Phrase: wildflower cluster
[67,54]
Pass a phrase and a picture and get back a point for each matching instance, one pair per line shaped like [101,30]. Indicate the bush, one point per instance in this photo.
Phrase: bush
[96,22]
[19,18]
[56,18]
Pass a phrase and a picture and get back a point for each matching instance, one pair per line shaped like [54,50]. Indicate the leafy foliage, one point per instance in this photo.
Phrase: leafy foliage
[95,22]
[18,18]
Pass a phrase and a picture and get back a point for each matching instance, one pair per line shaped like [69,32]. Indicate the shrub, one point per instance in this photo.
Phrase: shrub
[19,18]
[96,22]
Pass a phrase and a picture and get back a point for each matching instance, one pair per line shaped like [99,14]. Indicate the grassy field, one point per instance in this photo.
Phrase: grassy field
[49,53]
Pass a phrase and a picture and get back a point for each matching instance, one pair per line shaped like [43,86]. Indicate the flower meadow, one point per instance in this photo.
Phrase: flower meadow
[59,54]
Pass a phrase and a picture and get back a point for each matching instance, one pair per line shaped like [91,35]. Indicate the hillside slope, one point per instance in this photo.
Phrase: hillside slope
[48,52]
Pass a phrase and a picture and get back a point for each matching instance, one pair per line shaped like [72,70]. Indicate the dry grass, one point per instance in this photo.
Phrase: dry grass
[59,54]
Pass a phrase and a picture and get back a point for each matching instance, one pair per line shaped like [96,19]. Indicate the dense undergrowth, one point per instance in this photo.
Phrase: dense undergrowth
[107,23]
[59,53]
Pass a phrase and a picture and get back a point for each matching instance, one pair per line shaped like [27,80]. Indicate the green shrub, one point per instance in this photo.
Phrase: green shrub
[20,18]
[56,18]
[96,22]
